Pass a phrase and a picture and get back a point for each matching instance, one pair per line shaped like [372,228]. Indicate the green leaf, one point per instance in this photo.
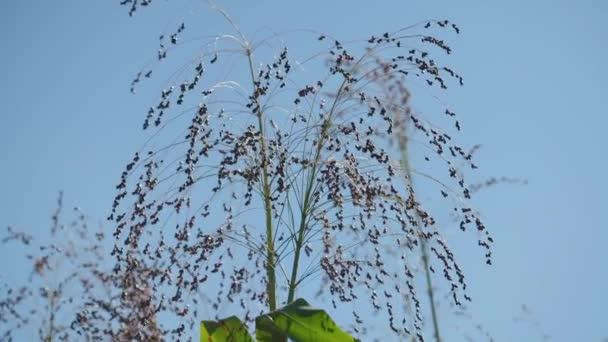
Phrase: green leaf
[301,323]
[229,329]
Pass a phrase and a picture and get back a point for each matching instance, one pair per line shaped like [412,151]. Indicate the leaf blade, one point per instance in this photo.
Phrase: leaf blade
[229,329]
[301,323]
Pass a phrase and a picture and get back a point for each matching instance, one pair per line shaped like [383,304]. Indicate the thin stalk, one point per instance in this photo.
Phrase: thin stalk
[423,246]
[49,337]
[293,284]
[270,257]
[429,283]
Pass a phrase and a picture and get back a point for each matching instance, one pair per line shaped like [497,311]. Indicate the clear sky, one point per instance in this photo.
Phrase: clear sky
[534,96]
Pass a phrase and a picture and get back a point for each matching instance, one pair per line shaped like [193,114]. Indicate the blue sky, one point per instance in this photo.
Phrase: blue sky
[534,97]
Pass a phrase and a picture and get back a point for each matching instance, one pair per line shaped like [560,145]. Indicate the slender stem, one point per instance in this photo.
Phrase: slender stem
[270,251]
[49,337]
[423,246]
[293,283]
[300,238]
[427,272]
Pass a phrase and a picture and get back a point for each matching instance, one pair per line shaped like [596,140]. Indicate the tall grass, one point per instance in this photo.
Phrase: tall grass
[270,174]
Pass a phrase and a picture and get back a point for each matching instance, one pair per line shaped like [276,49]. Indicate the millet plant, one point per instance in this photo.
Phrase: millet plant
[270,175]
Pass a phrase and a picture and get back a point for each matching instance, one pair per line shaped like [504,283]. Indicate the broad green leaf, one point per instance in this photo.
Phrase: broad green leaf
[301,323]
[229,329]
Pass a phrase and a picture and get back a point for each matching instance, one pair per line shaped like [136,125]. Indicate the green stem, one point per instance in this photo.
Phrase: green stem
[293,283]
[52,303]
[270,257]
[423,246]
[427,272]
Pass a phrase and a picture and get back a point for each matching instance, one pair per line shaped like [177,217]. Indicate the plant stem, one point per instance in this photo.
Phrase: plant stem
[423,246]
[300,238]
[293,284]
[49,337]
[270,257]
[429,283]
